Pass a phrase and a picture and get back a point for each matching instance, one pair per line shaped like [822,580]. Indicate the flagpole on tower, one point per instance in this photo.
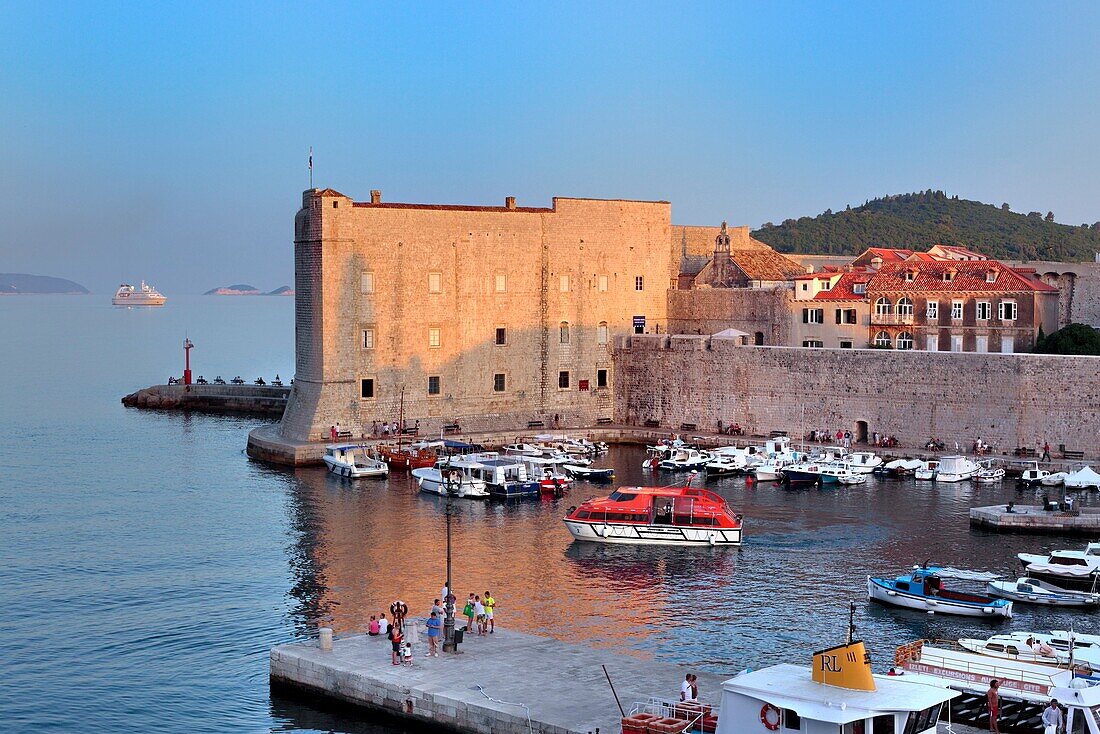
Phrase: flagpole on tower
[311,166]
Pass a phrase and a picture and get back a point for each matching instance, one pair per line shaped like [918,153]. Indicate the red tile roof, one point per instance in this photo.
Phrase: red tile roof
[844,289]
[969,276]
[888,255]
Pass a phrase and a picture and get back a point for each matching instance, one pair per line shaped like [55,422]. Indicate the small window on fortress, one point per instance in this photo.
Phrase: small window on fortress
[601,378]
[498,382]
[563,332]
[434,337]
[601,284]
[563,380]
[433,385]
[502,336]
[366,282]
[639,283]
[335,204]
[366,388]
[500,283]
[563,284]
[368,338]
[601,333]
[435,282]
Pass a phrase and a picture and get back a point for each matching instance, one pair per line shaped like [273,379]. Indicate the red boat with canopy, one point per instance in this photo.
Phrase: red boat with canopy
[657,515]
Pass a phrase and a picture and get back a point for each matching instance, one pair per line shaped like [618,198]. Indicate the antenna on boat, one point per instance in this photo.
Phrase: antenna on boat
[851,621]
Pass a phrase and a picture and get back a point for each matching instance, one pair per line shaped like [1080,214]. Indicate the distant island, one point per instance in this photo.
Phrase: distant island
[243,289]
[14,284]
[919,220]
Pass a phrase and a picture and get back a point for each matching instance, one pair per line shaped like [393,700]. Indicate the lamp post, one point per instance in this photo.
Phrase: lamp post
[448,605]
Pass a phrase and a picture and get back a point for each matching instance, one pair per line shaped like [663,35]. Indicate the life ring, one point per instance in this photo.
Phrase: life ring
[765,717]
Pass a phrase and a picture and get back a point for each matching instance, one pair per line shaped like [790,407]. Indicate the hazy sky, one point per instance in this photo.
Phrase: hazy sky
[168,141]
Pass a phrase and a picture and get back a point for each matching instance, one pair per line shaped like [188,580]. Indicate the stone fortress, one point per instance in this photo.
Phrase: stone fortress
[590,311]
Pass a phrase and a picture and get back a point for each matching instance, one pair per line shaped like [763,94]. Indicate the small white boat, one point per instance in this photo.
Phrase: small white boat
[900,467]
[1067,569]
[353,461]
[523,449]
[863,462]
[1034,591]
[852,477]
[772,469]
[450,480]
[988,474]
[724,465]
[1032,647]
[146,295]
[685,460]
[1033,474]
[956,469]
[1057,479]
[1083,478]
[591,473]
[927,471]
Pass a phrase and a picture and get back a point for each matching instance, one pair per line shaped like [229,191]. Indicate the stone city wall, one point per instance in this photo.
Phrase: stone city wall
[1078,286]
[1008,400]
[752,310]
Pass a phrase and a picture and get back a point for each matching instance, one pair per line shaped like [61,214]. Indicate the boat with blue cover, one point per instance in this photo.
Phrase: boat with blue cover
[923,590]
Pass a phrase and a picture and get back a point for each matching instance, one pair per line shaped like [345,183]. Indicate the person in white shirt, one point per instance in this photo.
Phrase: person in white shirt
[479,615]
[1053,722]
[383,624]
[687,688]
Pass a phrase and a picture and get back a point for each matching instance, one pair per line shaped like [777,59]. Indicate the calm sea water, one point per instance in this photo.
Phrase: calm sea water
[147,565]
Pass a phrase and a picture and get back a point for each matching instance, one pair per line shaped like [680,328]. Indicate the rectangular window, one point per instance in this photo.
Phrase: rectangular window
[498,382]
[1007,344]
[859,288]
[366,282]
[563,333]
[434,337]
[840,316]
[639,283]
[499,282]
[956,310]
[435,282]
[563,380]
[813,315]
[984,310]
[563,284]
[956,343]
[981,343]
[368,338]
[601,333]
[502,336]
[845,344]
[601,378]
[601,284]
[815,343]
[850,316]
[433,384]
[932,343]
[366,388]
[1006,310]
[933,310]
[805,286]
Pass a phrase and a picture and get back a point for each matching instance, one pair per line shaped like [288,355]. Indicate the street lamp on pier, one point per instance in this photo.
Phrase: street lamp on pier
[449,602]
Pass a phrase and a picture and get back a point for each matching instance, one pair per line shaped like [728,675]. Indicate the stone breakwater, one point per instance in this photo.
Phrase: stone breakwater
[255,399]
[1034,520]
[1008,400]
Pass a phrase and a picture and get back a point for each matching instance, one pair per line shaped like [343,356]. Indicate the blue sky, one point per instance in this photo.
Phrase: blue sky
[169,140]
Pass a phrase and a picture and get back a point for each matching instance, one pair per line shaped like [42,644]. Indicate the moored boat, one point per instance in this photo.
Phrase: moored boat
[444,479]
[685,460]
[1075,570]
[353,461]
[1032,475]
[1035,591]
[899,467]
[989,474]
[656,515]
[923,590]
[955,469]
[590,473]
[1037,648]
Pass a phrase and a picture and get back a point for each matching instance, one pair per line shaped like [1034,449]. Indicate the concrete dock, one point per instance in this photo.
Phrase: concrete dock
[1033,519]
[253,399]
[508,682]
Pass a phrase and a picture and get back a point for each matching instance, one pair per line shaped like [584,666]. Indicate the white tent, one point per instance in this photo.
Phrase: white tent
[1083,478]
[740,336]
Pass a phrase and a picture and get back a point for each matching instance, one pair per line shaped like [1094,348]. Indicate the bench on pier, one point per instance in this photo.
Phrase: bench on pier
[603,421]
[450,428]
[688,427]
[652,424]
[410,431]
[1073,455]
[536,424]
[777,434]
[343,435]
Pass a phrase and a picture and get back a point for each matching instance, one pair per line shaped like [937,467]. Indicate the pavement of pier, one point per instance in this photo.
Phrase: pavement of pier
[1035,520]
[527,683]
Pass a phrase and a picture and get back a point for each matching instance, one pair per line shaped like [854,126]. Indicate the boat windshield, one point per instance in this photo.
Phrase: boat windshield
[618,496]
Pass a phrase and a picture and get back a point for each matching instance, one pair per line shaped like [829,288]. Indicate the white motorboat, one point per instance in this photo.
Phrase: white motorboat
[146,295]
[1076,570]
[1057,479]
[772,469]
[813,472]
[900,467]
[685,460]
[956,469]
[1034,647]
[852,477]
[988,474]
[444,479]
[505,477]
[1083,478]
[863,462]
[591,473]
[523,449]
[354,461]
[1034,591]
[927,470]
[724,465]
[1033,474]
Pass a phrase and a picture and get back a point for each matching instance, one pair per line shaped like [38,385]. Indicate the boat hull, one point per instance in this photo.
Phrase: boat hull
[801,477]
[431,481]
[139,301]
[1069,583]
[514,490]
[1009,590]
[880,592]
[631,533]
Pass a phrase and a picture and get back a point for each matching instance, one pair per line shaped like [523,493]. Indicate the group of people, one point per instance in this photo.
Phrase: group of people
[1054,720]
[479,614]
[396,428]
[842,438]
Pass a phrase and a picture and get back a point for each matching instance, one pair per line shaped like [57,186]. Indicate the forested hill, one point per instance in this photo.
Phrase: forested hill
[918,221]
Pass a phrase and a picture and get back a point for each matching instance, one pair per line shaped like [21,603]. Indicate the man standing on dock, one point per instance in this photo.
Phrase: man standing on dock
[489,604]
[1053,723]
[994,701]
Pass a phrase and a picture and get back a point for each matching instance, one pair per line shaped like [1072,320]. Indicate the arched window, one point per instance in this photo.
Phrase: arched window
[905,307]
[883,307]
[601,333]
[882,339]
[563,332]
[904,340]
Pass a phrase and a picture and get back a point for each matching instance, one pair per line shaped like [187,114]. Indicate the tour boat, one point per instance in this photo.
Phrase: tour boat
[444,479]
[146,295]
[1026,689]
[353,461]
[1068,569]
[923,590]
[987,473]
[656,515]
[1033,474]
[685,460]
[1033,591]
[420,455]
[1038,648]
[590,473]
[837,693]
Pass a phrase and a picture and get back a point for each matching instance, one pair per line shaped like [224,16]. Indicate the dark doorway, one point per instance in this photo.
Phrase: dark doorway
[861,431]
[758,339]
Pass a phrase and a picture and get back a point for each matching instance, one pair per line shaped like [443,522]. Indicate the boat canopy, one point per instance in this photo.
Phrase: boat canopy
[1083,477]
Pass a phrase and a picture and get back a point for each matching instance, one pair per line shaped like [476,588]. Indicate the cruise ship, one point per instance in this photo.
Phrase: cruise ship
[147,295]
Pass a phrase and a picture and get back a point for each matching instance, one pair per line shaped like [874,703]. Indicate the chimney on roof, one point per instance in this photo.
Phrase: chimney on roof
[375,196]
[509,202]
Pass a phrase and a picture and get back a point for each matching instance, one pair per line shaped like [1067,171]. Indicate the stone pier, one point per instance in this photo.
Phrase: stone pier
[1033,519]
